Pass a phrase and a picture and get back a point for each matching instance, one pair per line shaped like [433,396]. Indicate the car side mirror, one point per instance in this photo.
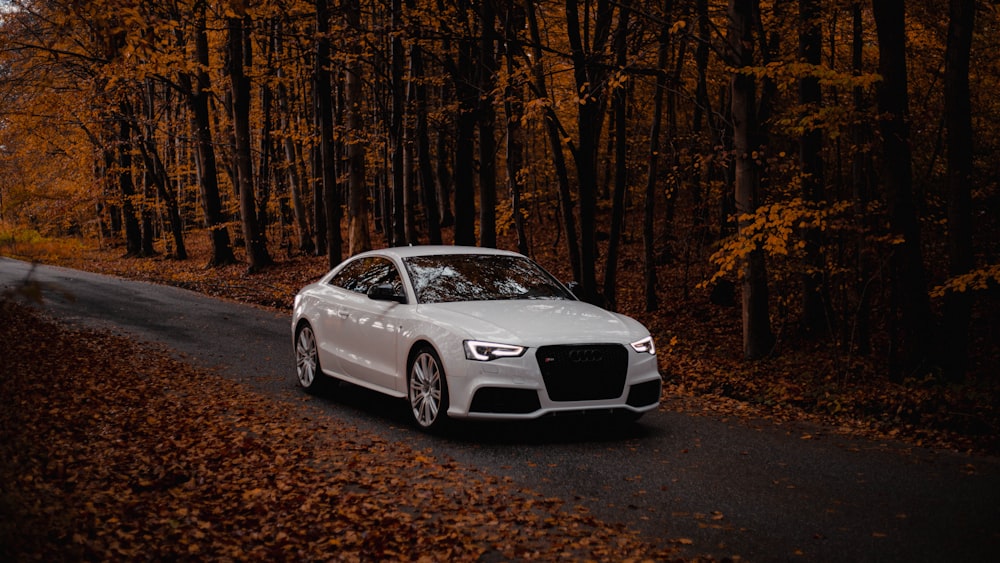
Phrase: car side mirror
[573,286]
[385,292]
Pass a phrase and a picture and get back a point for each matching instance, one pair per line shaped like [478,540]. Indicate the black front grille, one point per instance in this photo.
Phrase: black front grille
[586,372]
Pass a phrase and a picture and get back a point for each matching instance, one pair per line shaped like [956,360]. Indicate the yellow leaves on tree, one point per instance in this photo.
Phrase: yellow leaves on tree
[775,228]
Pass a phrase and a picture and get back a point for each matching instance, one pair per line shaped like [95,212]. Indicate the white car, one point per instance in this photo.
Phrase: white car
[465,332]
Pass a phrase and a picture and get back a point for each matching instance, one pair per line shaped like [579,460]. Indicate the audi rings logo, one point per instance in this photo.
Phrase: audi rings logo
[585,356]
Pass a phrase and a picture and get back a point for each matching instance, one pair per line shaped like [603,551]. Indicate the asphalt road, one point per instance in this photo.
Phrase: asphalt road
[753,489]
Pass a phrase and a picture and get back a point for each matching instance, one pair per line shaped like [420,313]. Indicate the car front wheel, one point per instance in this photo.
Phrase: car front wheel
[427,390]
[307,367]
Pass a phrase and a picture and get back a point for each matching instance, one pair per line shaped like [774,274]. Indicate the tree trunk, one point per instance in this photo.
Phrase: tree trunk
[486,114]
[266,155]
[619,107]
[858,338]
[397,85]
[257,255]
[324,114]
[910,304]
[359,235]
[590,74]
[465,142]
[815,320]
[514,111]
[295,184]
[126,184]
[652,173]
[757,337]
[428,189]
[958,120]
[702,104]
[157,175]
[205,158]
[553,128]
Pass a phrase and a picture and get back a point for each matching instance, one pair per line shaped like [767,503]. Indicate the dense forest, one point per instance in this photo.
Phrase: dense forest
[829,162]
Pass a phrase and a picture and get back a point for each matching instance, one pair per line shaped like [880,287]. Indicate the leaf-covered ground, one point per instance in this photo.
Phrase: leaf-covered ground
[112,450]
[698,343]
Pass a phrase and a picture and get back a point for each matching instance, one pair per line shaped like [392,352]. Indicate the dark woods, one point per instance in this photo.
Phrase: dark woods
[825,166]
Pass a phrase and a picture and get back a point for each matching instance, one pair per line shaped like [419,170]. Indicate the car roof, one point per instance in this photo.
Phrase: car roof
[436,250]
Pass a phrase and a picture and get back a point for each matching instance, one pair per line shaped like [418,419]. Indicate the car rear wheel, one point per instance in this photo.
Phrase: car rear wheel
[307,368]
[427,390]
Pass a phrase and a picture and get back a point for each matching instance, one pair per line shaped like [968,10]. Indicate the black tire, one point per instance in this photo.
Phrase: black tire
[427,389]
[307,369]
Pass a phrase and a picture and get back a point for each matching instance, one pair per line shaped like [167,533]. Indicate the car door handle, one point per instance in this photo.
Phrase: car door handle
[343,314]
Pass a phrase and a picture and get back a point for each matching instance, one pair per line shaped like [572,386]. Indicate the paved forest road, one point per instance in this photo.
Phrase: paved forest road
[752,489]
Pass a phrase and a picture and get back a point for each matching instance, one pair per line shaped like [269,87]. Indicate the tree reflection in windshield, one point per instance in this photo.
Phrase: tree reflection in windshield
[467,277]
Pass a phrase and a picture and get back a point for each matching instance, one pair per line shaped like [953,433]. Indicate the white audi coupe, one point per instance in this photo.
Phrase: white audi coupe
[465,332]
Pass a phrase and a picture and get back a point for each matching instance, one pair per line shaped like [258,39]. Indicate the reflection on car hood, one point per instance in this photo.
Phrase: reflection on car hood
[535,322]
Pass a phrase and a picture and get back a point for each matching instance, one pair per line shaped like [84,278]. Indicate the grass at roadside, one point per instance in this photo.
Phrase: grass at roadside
[113,450]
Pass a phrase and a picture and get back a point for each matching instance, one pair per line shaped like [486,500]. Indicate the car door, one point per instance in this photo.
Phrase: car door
[369,328]
[334,303]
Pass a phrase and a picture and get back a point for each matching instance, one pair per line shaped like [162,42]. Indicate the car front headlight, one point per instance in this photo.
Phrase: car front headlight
[487,351]
[644,346]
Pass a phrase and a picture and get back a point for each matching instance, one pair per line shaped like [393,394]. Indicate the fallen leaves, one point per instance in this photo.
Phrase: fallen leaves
[106,457]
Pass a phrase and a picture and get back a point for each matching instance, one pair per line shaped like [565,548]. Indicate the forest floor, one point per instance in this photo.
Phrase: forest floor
[101,461]
[699,348]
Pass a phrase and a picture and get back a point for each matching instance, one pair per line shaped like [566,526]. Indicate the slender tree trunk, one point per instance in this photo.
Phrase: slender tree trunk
[465,142]
[266,155]
[396,128]
[208,170]
[514,111]
[815,295]
[157,175]
[553,130]
[702,103]
[958,119]
[423,147]
[359,229]
[486,70]
[590,74]
[443,178]
[619,103]
[757,337]
[910,305]
[295,184]
[652,173]
[324,97]
[859,337]
[409,185]
[257,255]
[126,184]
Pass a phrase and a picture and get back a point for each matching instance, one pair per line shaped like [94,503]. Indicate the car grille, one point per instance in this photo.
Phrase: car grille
[587,372]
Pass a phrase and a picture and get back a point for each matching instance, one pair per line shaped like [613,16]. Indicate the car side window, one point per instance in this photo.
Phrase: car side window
[360,275]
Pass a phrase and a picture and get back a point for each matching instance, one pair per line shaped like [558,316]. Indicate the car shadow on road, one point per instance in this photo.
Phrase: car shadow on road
[596,427]
[563,429]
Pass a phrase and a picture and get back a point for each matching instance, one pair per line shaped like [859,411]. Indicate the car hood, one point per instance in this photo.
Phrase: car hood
[535,322]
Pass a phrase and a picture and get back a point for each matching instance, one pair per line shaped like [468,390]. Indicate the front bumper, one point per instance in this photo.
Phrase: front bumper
[515,388]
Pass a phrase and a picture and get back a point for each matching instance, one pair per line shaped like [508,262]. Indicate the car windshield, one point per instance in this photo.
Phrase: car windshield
[476,277]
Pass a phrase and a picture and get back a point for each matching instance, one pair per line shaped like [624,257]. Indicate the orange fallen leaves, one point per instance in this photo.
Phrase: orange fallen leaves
[99,462]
